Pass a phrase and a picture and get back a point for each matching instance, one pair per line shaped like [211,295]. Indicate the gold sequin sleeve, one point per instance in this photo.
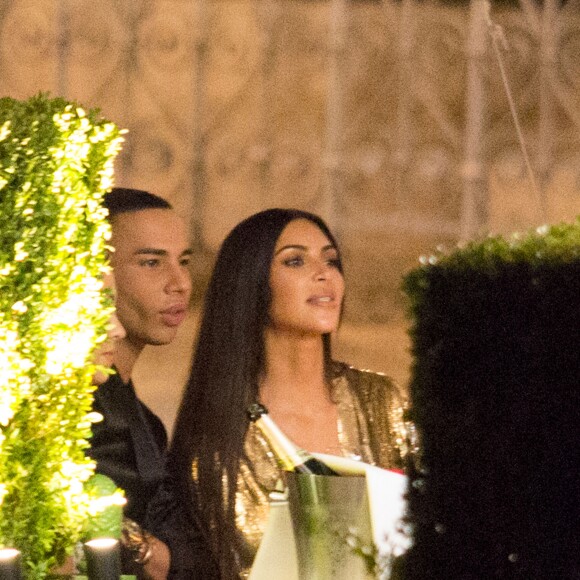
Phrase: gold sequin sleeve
[391,436]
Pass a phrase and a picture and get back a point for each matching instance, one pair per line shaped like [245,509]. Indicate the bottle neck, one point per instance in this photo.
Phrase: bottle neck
[289,454]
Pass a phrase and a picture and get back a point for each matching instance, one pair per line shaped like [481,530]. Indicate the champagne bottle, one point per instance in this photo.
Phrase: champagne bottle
[289,455]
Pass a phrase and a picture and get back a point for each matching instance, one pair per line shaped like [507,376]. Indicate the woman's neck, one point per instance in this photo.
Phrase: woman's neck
[293,389]
[294,368]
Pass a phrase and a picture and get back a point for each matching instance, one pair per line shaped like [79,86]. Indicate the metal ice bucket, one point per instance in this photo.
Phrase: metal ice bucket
[328,513]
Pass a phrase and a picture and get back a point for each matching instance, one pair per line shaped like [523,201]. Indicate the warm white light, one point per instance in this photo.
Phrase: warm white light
[8,554]
[102,543]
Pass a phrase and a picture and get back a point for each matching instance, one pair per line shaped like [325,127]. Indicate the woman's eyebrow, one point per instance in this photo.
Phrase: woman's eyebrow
[304,248]
[291,247]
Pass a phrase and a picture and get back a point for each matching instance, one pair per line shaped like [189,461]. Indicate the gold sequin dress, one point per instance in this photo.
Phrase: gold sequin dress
[371,428]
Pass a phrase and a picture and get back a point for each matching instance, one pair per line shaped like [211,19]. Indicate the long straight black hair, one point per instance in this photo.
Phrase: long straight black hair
[212,422]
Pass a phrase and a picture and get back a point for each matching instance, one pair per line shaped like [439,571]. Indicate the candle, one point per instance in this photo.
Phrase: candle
[103,559]
[10,567]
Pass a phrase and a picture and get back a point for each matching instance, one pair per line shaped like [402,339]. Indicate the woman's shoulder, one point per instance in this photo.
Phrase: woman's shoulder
[382,403]
[367,383]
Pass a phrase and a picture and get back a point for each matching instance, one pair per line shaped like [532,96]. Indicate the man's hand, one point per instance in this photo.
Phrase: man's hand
[157,566]
[147,550]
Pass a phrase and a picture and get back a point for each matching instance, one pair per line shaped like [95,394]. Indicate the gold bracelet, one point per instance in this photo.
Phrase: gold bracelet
[137,541]
[145,553]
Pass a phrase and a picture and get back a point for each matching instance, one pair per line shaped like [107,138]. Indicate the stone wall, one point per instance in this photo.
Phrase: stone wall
[359,111]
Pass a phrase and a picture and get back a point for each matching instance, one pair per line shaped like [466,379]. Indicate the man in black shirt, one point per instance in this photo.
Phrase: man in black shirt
[151,263]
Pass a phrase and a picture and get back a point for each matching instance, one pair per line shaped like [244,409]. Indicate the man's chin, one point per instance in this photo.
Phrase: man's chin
[99,378]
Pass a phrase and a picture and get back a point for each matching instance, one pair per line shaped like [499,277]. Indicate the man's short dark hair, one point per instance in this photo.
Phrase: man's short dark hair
[123,200]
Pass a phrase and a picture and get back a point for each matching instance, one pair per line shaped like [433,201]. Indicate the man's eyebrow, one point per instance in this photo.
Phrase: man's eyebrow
[160,252]
[299,247]
[149,251]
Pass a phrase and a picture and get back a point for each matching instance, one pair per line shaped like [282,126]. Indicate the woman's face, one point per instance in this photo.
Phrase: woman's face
[305,283]
[105,353]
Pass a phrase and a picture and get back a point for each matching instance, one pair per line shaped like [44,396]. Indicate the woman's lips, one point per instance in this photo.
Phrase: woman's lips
[322,300]
[174,316]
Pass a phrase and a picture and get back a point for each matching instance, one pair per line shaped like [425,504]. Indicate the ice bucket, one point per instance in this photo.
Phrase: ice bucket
[330,518]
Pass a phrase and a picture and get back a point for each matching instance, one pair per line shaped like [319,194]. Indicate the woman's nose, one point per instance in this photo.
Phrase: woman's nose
[321,271]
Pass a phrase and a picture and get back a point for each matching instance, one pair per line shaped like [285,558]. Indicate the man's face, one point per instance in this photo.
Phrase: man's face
[151,262]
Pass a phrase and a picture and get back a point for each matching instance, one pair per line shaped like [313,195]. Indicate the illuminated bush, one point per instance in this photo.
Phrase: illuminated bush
[56,162]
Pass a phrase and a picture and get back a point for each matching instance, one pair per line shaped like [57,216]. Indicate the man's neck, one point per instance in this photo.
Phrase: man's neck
[126,354]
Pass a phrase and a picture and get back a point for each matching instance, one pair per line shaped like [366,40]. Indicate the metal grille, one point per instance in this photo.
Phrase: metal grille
[390,119]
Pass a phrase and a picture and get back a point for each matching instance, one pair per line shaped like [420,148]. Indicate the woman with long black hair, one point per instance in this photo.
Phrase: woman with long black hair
[275,297]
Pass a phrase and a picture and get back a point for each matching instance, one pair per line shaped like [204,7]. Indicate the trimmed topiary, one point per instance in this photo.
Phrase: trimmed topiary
[495,395]
[56,162]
